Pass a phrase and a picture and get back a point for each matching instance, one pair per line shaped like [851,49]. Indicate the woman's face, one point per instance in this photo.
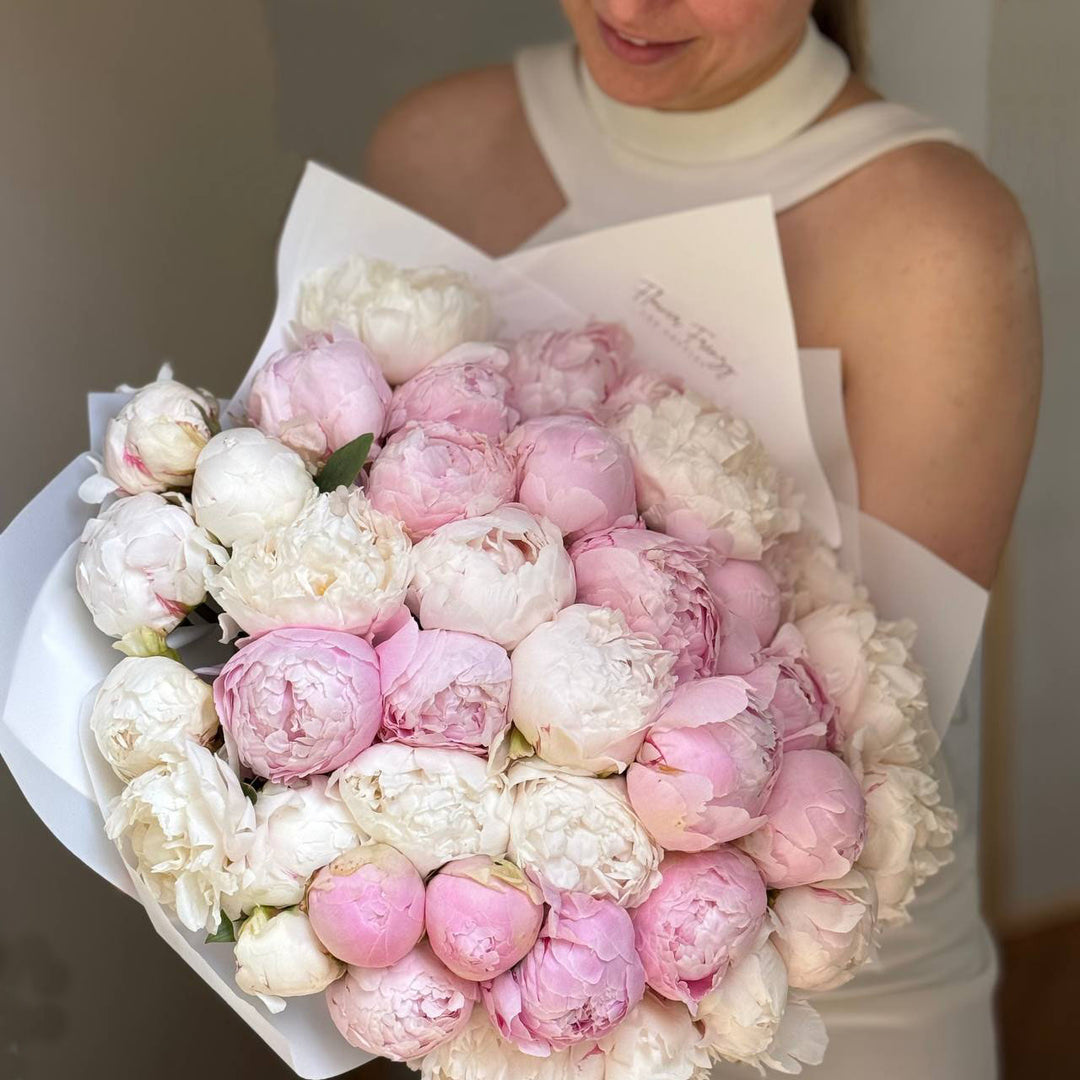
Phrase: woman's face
[684,54]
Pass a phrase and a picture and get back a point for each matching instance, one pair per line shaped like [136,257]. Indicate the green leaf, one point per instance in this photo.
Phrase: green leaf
[225,931]
[344,465]
[249,790]
[213,425]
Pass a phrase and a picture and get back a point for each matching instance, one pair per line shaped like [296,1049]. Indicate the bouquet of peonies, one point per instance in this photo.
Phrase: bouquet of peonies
[551,740]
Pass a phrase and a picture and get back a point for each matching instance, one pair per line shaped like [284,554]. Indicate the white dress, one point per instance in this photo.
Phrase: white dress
[923,1011]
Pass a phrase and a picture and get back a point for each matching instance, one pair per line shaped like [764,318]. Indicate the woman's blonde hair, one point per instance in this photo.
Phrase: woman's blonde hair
[842,20]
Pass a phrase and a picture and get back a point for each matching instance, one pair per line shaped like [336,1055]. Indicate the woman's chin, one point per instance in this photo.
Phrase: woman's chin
[662,85]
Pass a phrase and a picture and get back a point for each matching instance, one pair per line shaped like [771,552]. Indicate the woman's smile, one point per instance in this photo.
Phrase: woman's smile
[638,50]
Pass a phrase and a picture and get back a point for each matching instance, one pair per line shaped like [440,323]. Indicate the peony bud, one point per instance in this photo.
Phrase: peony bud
[789,688]
[278,956]
[747,592]
[706,767]
[146,709]
[816,822]
[704,917]
[573,472]
[466,387]
[499,576]
[443,688]
[367,906]
[578,981]
[152,442]
[567,371]
[246,483]
[142,564]
[298,702]
[482,916]
[320,397]
[402,1011]
[658,583]
[585,688]
[431,473]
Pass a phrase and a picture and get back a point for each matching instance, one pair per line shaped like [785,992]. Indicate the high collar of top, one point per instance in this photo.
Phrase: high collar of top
[767,116]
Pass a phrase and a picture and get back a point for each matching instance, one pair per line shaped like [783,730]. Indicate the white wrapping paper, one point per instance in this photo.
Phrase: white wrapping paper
[52,657]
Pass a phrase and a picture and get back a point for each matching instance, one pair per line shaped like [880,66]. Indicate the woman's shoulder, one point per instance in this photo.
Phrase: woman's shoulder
[460,151]
[928,216]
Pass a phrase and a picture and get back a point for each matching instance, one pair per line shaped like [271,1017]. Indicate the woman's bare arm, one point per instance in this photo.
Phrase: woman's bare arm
[930,291]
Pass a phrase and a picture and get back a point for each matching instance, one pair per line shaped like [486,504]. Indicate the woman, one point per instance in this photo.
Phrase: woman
[900,249]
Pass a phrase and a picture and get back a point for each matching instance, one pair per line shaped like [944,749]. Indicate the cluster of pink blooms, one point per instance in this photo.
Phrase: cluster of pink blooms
[709,736]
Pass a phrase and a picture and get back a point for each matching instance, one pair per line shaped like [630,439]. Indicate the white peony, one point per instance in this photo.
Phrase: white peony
[748,1018]
[809,575]
[579,834]
[142,564]
[407,318]
[826,932]
[909,835]
[279,956]
[703,476]
[152,442]
[499,575]
[146,709]
[656,1041]
[479,1052]
[869,673]
[585,688]
[246,483]
[189,826]
[433,805]
[341,565]
[298,830]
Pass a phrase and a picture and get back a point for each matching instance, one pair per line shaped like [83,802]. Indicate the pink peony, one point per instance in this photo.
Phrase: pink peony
[429,473]
[816,822]
[403,1011]
[573,472]
[320,397]
[577,982]
[639,388]
[443,688]
[567,371]
[367,906]
[749,603]
[786,684]
[706,767]
[703,918]
[483,915]
[466,387]
[658,583]
[298,702]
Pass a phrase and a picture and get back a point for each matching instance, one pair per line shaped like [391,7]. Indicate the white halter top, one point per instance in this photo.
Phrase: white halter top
[618,163]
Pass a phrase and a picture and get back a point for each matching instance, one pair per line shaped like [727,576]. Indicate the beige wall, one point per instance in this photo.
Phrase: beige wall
[1035,146]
